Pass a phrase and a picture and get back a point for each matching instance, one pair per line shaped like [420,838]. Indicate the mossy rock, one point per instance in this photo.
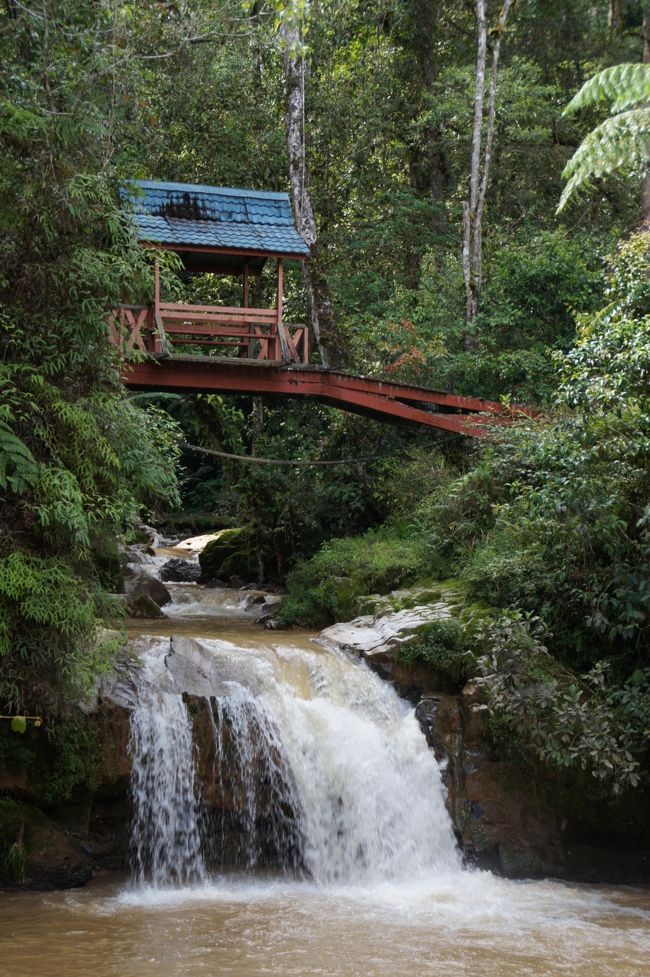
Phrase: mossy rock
[231,553]
[37,853]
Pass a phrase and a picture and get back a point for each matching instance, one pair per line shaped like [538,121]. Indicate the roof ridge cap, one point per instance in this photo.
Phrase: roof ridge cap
[204,188]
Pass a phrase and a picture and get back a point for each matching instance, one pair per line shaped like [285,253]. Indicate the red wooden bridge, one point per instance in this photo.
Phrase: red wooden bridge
[245,349]
[260,368]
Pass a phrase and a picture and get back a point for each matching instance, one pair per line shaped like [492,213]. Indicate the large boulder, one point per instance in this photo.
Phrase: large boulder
[378,637]
[194,544]
[178,570]
[142,606]
[230,553]
[143,582]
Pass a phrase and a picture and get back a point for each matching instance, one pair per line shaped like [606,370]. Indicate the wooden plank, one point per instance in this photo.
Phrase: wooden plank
[135,324]
[291,346]
[216,323]
[199,329]
[211,309]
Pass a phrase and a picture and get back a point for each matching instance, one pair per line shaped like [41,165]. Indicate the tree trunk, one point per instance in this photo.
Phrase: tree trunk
[481,159]
[323,326]
[423,18]
[470,228]
[616,16]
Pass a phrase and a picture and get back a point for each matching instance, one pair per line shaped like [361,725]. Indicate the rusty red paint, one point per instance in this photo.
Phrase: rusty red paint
[358,394]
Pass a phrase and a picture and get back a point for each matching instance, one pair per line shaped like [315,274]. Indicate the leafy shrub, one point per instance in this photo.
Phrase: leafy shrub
[444,646]
[565,721]
[324,589]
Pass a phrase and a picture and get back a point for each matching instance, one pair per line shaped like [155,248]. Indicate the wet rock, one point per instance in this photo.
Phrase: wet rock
[235,582]
[194,544]
[142,606]
[178,570]
[378,637]
[143,582]
[39,854]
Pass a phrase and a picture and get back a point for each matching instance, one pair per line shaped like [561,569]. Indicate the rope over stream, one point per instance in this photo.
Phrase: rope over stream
[267,461]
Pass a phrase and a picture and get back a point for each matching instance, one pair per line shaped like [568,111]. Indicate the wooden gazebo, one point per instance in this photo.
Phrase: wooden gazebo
[216,230]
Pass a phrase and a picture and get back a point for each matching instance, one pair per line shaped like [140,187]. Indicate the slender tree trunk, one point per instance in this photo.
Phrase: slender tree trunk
[481,158]
[615,16]
[423,15]
[470,228]
[324,329]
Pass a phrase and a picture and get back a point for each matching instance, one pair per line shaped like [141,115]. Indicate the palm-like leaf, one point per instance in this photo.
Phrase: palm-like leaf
[620,144]
[630,82]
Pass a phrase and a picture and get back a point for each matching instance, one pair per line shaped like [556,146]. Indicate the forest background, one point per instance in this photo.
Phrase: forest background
[543,532]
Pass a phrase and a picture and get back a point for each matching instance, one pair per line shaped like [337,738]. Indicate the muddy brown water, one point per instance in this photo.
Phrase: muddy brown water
[469,927]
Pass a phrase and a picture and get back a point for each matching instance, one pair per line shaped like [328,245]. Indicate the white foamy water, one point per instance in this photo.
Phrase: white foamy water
[192,600]
[323,743]
[165,840]
[465,924]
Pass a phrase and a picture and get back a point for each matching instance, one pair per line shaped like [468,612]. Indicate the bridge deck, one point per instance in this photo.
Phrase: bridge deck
[378,398]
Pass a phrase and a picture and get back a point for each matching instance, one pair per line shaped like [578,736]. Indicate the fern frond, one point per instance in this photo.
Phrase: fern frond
[624,85]
[18,468]
[620,144]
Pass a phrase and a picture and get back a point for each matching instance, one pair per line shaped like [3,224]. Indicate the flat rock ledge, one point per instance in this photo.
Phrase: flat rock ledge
[378,637]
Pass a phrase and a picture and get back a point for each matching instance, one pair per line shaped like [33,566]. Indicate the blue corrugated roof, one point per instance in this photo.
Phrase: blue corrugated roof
[214,217]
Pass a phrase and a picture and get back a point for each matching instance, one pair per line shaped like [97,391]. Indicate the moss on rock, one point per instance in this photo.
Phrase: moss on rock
[230,553]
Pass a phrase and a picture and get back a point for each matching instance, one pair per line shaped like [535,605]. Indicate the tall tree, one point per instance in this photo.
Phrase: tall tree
[323,324]
[481,158]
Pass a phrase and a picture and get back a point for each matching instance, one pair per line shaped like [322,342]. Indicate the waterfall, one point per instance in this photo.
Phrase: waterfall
[165,840]
[321,768]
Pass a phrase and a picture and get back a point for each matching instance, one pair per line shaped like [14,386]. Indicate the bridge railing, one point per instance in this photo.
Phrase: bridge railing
[167,328]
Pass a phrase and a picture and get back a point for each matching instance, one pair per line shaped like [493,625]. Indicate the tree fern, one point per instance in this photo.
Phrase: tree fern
[620,144]
[18,469]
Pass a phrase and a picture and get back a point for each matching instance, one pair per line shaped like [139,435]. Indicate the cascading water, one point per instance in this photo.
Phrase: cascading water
[165,840]
[322,769]
[310,767]
[334,757]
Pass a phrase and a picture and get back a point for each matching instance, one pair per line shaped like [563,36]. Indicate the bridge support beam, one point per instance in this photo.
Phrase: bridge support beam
[377,398]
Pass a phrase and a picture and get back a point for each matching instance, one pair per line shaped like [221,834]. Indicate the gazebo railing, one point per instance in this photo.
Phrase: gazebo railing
[164,328]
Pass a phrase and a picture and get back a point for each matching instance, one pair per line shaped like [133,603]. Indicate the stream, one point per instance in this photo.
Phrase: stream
[336,856]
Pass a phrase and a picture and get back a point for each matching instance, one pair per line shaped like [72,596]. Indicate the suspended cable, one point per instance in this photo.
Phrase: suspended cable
[266,461]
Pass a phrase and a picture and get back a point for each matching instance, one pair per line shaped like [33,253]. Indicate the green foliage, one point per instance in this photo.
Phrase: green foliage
[325,588]
[445,646]
[620,144]
[565,721]
[609,368]
[49,642]
[15,863]
[74,762]
[78,462]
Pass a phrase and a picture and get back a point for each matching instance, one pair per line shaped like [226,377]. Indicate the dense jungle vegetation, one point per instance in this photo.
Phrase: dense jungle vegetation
[543,529]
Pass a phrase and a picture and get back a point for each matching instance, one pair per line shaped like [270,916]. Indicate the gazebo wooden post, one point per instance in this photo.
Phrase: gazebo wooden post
[284,350]
[157,343]
[247,351]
